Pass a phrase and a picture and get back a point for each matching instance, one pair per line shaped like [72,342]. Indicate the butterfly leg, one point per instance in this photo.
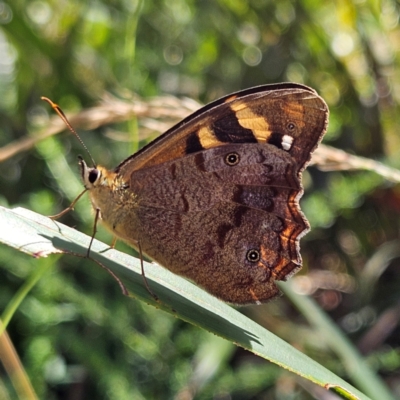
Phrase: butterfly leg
[69,208]
[121,285]
[155,297]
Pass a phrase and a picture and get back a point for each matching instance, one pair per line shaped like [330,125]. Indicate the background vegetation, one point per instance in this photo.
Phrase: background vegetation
[76,335]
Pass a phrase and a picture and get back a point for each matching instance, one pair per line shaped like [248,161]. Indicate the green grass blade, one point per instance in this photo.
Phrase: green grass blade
[353,362]
[40,236]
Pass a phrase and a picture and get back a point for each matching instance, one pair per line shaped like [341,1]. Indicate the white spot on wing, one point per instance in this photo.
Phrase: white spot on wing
[287,142]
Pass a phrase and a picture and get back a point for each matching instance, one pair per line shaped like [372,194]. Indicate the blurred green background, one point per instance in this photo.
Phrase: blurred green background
[77,336]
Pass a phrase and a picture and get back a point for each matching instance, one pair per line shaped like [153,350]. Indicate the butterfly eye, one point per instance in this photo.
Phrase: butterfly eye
[291,126]
[253,255]
[94,174]
[232,159]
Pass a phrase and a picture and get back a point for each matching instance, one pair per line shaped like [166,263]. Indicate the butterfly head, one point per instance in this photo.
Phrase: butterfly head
[110,197]
[94,177]
[91,176]
[100,177]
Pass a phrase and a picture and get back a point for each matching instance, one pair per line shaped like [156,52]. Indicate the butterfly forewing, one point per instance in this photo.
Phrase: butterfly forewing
[276,114]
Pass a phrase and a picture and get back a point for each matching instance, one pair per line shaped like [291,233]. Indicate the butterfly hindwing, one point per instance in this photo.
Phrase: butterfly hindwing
[203,213]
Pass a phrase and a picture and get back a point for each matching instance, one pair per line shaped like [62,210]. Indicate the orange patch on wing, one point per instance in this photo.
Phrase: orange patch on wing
[207,138]
[253,295]
[250,120]
[294,112]
[230,98]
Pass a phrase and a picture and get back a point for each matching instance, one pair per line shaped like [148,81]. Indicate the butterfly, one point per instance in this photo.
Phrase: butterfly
[216,198]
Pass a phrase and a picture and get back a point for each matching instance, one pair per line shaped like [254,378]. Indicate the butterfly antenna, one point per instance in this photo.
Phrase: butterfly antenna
[61,114]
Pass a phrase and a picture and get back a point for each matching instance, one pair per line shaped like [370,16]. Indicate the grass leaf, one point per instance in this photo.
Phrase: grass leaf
[40,236]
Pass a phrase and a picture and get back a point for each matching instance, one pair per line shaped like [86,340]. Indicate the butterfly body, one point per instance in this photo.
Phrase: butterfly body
[215,199]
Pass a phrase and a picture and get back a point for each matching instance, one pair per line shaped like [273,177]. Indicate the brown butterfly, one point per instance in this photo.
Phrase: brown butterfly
[216,198]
